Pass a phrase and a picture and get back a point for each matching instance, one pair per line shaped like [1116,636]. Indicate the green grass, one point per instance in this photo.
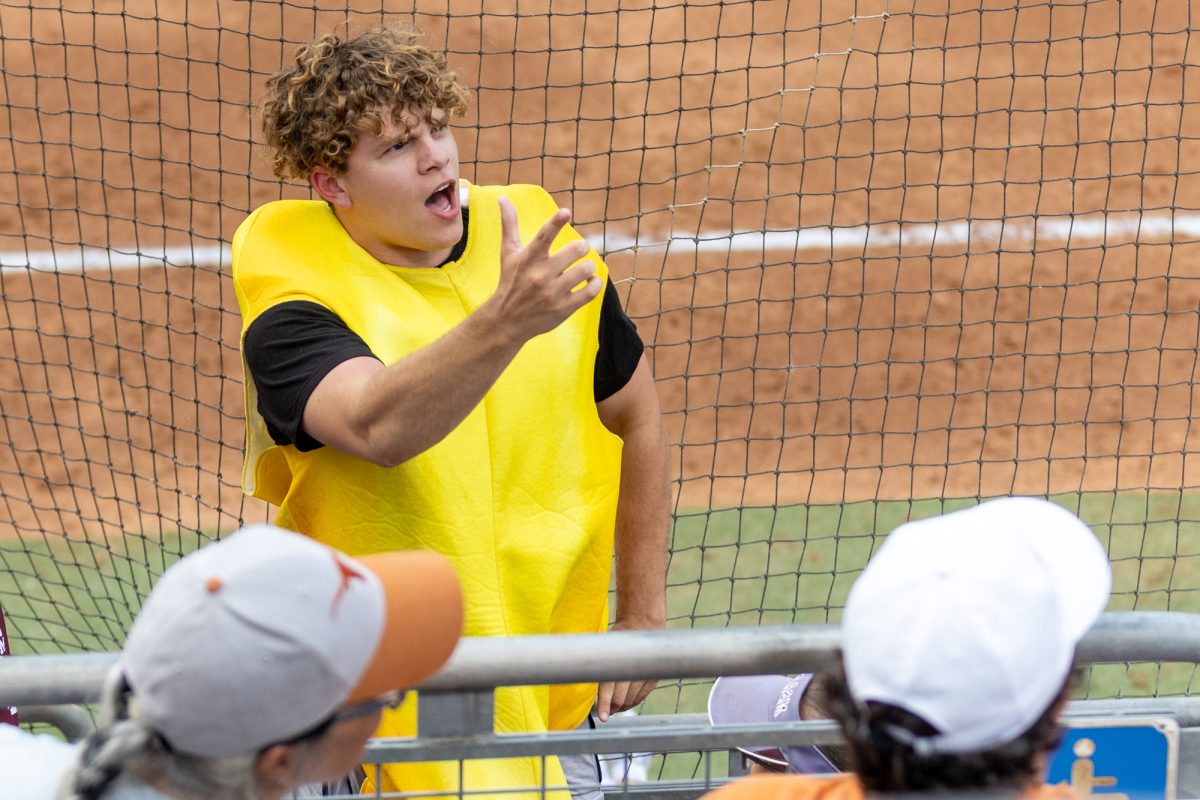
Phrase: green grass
[62,595]
[765,566]
[796,564]
[752,566]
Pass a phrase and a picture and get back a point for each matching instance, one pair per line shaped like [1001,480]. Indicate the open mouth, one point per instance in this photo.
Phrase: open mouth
[444,200]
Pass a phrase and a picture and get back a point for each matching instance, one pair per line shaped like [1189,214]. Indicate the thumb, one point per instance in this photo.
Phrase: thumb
[510,236]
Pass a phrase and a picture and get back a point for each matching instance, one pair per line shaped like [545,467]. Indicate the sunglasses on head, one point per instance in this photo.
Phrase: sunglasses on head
[392,699]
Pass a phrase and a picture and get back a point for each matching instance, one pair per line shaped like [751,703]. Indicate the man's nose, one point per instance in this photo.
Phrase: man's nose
[434,154]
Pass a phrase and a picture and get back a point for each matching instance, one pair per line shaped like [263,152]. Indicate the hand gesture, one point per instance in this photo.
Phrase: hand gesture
[537,288]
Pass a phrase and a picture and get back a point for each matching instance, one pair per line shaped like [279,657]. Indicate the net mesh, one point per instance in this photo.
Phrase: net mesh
[891,258]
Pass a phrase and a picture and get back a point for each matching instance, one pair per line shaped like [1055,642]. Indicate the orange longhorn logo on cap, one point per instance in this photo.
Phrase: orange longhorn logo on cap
[348,574]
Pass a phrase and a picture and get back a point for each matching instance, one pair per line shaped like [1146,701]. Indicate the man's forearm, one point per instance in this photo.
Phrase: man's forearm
[416,402]
[389,414]
[642,530]
[643,525]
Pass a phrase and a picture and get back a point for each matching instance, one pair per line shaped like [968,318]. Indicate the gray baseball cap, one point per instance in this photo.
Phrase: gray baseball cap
[262,636]
[753,699]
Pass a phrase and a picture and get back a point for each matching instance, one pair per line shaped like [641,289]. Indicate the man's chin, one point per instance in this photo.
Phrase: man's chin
[451,234]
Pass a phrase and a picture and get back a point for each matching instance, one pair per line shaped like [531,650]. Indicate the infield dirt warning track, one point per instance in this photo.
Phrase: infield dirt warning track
[879,249]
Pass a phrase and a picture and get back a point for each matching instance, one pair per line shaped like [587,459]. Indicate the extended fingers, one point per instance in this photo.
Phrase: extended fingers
[510,232]
[585,294]
[571,252]
[538,248]
[577,273]
[550,228]
[567,264]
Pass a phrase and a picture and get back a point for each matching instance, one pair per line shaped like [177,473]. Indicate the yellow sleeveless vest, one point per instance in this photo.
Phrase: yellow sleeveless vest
[521,496]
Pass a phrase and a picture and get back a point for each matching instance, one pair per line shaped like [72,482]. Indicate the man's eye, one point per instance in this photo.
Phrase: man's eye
[398,146]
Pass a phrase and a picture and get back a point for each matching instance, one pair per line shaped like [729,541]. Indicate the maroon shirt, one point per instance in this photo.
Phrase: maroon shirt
[8,714]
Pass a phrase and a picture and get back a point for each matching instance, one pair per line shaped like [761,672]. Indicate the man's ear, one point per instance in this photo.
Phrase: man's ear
[275,771]
[329,186]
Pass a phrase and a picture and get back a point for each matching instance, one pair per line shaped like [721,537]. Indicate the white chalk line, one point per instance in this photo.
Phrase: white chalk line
[1029,233]
[76,259]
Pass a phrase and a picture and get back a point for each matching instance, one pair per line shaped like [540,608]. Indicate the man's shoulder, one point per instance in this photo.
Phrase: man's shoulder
[281,235]
[791,787]
[285,216]
[521,194]
[502,188]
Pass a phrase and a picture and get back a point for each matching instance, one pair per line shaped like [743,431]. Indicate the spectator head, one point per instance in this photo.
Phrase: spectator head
[959,642]
[753,699]
[261,663]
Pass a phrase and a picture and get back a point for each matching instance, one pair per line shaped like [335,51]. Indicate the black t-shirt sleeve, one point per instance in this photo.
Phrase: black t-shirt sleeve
[620,347]
[289,349]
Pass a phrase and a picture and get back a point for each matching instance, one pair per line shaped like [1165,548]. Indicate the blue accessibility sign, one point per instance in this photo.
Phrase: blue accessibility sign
[1118,758]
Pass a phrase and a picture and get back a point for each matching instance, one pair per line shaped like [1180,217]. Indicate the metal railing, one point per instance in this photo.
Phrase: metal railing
[455,709]
[481,664]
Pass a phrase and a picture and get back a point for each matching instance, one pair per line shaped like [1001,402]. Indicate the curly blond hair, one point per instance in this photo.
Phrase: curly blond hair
[313,111]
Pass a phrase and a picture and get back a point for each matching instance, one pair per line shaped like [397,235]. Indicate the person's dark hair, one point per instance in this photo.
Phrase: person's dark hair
[817,701]
[885,763]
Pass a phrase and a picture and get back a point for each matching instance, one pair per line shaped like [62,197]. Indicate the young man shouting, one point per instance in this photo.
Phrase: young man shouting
[436,364]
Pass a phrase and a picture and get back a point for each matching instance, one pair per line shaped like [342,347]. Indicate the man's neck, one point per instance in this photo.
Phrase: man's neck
[396,256]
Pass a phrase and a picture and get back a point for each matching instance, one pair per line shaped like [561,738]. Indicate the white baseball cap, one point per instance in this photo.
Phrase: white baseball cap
[262,636]
[970,620]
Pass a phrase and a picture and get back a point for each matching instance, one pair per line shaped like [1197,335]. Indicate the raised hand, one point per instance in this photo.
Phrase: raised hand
[537,288]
